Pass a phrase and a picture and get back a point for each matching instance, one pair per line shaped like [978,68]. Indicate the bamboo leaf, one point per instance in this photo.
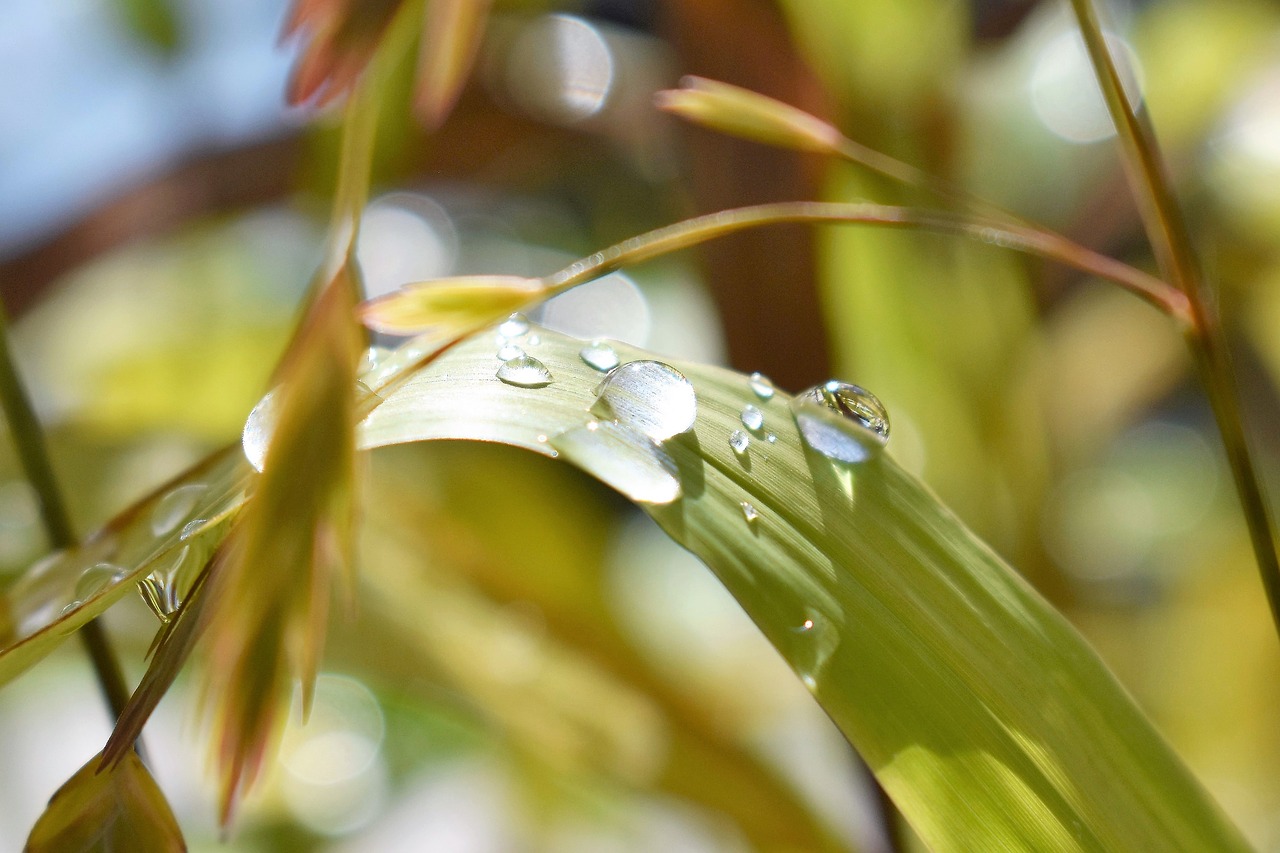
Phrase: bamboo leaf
[984,714]
[107,809]
[451,306]
[742,112]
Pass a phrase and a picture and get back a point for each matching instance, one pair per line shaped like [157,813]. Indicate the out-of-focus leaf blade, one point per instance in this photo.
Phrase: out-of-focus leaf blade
[151,534]
[452,306]
[451,36]
[984,714]
[119,808]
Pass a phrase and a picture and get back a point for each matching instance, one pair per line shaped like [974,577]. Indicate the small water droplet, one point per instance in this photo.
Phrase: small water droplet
[174,507]
[96,578]
[816,641]
[599,355]
[160,588]
[761,385]
[70,607]
[524,372]
[514,326]
[771,438]
[739,441]
[648,396]
[191,528]
[750,513]
[752,418]
[258,428]
[534,340]
[841,421]
[506,352]
[372,359]
[623,458]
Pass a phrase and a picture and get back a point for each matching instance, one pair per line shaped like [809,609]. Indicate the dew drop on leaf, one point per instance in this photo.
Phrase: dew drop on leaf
[160,588]
[175,507]
[508,351]
[96,578]
[257,430]
[752,418]
[841,421]
[739,441]
[524,371]
[599,355]
[514,326]
[648,396]
[761,386]
[623,458]
[750,513]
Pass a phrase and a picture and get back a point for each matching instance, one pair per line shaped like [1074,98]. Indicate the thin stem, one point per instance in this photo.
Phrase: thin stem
[1169,235]
[28,438]
[1009,235]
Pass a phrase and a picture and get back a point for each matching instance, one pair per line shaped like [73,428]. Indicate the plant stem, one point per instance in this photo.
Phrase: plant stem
[1167,229]
[29,440]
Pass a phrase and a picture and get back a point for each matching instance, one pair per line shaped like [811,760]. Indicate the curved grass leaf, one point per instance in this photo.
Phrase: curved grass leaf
[105,809]
[987,718]
[173,530]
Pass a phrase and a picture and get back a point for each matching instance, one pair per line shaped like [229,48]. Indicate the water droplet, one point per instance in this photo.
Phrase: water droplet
[506,352]
[771,438]
[372,359]
[623,458]
[739,441]
[761,385]
[599,355]
[514,326]
[816,641]
[648,396]
[160,589]
[96,578]
[841,421]
[534,340]
[752,418]
[172,509]
[71,607]
[750,513]
[191,528]
[525,372]
[258,428]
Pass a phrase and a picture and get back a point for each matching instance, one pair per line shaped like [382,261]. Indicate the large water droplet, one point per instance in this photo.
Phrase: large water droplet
[258,428]
[599,355]
[648,396]
[841,421]
[761,386]
[96,578]
[739,441]
[525,372]
[175,507]
[622,458]
[514,326]
[752,418]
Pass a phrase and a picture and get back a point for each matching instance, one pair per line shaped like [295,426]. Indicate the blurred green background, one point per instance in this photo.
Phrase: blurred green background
[531,664]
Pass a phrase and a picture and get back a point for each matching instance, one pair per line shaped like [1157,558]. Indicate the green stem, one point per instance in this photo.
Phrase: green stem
[28,438]
[1169,235]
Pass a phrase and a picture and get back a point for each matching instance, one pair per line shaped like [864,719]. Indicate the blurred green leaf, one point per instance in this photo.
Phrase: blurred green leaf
[983,713]
[107,809]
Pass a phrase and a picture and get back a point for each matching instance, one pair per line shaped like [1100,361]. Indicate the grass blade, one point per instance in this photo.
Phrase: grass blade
[983,713]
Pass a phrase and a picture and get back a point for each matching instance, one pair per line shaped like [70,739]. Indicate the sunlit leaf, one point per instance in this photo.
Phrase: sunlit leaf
[983,713]
[60,593]
[742,112]
[107,809]
[450,306]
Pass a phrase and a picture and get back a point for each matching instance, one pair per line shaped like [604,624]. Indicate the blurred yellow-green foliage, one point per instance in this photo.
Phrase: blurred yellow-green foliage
[531,664]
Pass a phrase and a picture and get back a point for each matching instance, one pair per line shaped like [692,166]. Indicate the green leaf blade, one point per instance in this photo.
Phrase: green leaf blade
[985,715]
